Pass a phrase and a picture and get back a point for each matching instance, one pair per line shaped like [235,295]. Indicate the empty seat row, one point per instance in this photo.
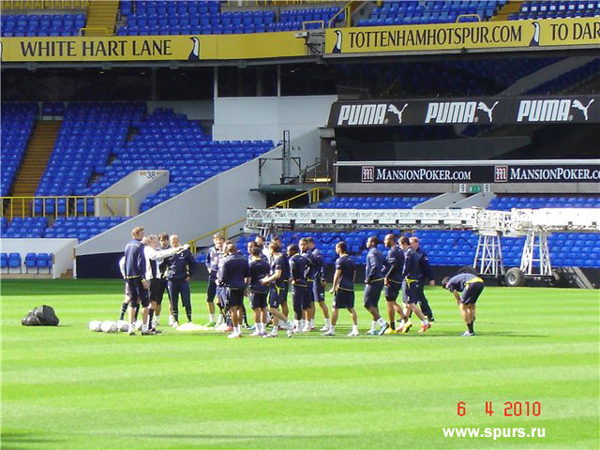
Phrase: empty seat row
[506,203]
[408,13]
[32,261]
[42,25]
[369,202]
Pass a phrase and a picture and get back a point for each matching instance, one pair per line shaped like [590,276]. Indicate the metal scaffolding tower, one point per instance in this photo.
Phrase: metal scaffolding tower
[488,256]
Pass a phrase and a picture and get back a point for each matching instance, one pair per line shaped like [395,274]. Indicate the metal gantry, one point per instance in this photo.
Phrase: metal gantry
[535,224]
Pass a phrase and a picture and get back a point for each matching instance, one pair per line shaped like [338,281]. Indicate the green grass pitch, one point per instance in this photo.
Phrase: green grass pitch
[68,388]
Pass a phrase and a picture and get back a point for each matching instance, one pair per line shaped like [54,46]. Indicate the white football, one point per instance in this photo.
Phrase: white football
[95,325]
[109,326]
[123,326]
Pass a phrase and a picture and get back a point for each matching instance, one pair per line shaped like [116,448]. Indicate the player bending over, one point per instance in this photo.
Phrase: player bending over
[471,287]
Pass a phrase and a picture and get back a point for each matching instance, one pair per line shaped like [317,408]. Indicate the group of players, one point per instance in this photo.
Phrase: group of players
[269,273]
[152,265]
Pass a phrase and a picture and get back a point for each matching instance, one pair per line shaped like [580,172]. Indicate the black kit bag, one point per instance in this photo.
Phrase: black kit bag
[41,316]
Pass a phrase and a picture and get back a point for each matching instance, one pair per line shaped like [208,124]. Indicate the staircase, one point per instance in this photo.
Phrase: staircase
[507,10]
[35,160]
[102,15]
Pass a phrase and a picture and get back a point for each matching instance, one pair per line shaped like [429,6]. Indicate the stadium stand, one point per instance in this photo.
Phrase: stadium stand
[89,134]
[142,18]
[3,226]
[81,228]
[17,123]
[427,12]
[556,10]
[167,141]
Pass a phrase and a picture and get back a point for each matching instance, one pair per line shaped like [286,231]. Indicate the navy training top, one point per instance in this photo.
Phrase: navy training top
[234,271]
[346,265]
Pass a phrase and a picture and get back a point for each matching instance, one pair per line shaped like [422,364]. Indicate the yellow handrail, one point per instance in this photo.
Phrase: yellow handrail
[314,193]
[345,8]
[71,205]
[314,196]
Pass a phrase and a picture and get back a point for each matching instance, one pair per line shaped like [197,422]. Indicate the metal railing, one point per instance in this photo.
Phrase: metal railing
[314,195]
[320,22]
[67,206]
[320,172]
[283,179]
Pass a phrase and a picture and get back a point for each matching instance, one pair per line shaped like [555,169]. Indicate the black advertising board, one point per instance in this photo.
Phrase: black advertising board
[493,173]
[454,111]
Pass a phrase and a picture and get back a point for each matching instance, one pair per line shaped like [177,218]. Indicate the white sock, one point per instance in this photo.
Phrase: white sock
[381,322]
[275,329]
[238,329]
[211,317]
[373,325]
[261,327]
[281,323]
[355,328]
[424,322]
[312,323]
[144,328]
[327,323]
[332,328]
[157,318]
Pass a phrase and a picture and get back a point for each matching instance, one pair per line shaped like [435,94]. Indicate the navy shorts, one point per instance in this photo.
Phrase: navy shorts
[258,299]
[472,293]
[300,297]
[276,296]
[318,291]
[154,291]
[392,290]
[137,292]
[372,293]
[235,297]
[343,299]
[410,291]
